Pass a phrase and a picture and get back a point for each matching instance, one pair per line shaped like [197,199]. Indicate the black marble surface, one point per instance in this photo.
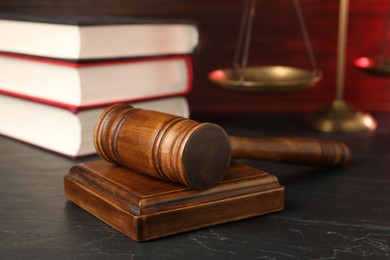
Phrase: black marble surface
[339,213]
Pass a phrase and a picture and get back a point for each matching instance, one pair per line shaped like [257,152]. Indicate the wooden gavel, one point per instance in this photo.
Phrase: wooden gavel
[196,154]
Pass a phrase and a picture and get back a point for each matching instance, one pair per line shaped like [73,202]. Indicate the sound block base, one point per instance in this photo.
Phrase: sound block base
[145,208]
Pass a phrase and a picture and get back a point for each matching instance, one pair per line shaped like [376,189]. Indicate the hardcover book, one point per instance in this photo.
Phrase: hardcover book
[78,38]
[63,131]
[81,85]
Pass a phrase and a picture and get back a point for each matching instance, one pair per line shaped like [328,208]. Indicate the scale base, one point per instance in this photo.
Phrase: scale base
[144,208]
[340,117]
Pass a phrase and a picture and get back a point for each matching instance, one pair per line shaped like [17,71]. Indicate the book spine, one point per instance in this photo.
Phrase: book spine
[190,74]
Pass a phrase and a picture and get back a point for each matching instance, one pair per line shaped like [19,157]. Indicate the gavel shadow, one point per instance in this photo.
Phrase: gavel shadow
[290,174]
[306,186]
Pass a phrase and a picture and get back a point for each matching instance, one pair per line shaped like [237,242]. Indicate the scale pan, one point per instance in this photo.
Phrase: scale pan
[272,79]
[373,66]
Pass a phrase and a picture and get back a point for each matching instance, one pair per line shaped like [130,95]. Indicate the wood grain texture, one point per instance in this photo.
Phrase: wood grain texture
[196,154]
[145,208]
[306,151]
[164,146]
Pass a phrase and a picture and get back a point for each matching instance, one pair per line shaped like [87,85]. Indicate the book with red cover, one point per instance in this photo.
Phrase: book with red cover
[81,85]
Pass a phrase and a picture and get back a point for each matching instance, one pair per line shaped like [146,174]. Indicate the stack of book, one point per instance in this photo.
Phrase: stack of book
[57,74]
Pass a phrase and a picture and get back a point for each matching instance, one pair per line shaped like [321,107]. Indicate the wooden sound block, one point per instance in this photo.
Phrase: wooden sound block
[144,208]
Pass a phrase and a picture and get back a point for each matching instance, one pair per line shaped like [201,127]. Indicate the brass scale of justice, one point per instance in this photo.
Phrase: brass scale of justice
[338,116]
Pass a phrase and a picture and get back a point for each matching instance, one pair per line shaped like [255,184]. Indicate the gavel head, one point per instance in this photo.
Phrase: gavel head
[163,146]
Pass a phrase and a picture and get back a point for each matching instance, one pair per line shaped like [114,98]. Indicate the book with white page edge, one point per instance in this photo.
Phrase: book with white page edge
[63,131]
[98,37]
[82,85]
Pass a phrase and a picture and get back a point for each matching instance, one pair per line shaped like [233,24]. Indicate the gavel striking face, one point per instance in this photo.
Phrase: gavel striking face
[195,154]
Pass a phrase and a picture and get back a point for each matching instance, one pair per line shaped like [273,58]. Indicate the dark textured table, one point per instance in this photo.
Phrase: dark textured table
[329,214]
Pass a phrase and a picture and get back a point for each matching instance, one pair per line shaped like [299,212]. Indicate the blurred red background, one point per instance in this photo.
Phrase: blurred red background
[277,39]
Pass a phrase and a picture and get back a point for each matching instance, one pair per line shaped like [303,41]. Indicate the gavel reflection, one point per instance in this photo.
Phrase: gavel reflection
[196,154]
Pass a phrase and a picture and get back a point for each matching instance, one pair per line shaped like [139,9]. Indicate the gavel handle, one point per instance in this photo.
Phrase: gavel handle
[305,151]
